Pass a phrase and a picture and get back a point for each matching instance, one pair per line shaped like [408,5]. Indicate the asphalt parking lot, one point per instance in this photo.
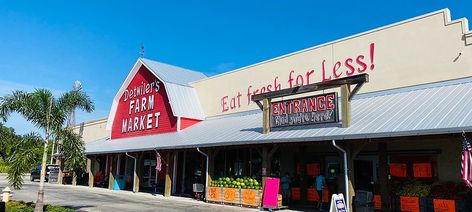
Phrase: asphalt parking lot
[82,198]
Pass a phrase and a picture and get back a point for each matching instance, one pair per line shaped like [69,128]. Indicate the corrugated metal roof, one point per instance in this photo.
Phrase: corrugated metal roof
[173,74]
[433,109]
[184,101]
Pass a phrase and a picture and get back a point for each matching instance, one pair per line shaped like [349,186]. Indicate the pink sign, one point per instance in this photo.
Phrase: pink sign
[271,192]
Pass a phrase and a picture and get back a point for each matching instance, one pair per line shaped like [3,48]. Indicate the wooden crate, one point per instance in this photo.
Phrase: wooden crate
[214,194]
[251,197]
[231,196]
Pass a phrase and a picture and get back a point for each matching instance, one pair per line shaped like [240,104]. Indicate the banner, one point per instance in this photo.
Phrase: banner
[422,170]
[397,169]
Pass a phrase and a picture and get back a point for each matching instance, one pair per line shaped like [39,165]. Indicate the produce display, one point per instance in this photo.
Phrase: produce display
[243,182]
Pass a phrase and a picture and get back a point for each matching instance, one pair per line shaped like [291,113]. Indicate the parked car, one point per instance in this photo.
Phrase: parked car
[36,172]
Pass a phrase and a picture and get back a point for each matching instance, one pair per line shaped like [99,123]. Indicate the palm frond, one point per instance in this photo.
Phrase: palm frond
[25,156]
[73,148]
[75,99]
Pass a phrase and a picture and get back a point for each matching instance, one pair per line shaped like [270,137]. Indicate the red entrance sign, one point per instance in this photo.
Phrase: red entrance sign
[422,170]
[398,170]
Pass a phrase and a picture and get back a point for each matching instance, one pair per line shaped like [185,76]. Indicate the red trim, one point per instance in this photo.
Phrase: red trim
[186,122]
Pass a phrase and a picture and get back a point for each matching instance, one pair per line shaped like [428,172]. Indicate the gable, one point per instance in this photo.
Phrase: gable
[143,107]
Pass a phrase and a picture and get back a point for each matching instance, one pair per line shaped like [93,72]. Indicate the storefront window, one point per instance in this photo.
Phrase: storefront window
[238,163]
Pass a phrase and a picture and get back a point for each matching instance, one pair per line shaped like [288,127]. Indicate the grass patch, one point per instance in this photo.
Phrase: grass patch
[21,206]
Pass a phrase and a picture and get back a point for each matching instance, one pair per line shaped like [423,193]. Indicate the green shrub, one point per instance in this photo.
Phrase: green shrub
[52,208]
[21,206]
[414,189]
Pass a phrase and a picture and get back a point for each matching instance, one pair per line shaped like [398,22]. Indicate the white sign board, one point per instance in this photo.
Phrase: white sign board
[338,204]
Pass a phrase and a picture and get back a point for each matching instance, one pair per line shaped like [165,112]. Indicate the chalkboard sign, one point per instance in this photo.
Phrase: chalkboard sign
[53,174]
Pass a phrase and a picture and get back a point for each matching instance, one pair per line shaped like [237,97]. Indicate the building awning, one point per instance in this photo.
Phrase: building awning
[436,108]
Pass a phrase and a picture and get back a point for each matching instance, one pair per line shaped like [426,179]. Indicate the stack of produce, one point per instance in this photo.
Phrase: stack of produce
[243,182]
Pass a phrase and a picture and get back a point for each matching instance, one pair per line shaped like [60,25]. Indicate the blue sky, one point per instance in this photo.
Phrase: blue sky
[50,45]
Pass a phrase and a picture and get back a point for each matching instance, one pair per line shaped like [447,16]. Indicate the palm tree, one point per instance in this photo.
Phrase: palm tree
[50,114]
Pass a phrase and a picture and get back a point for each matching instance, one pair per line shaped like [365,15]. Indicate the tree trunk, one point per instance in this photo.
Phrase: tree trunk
[40,200]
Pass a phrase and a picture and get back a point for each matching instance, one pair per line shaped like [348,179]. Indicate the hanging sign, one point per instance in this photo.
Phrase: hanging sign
[319,109]
[397,169]
[422,170]
[313,169]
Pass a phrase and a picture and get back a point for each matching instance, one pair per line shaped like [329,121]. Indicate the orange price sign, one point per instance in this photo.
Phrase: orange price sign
[422,170]
[377,202]
[398,169]
[296,194]
[229,194]
[312,195]
[444,205]
[325,195]
[249,196]
[313,169]
[214,193]
[411,204]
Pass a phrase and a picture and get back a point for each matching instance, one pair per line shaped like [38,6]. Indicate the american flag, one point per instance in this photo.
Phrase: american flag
[466,162]
[158,162]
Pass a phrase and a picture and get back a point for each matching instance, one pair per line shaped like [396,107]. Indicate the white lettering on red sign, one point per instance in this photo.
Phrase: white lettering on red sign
[138,104]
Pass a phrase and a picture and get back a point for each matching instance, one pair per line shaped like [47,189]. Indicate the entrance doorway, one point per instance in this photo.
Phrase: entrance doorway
[190,170]
[364,175]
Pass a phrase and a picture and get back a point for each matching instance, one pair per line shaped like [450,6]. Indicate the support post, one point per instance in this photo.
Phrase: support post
[184,160]
[111,176]
[74,178]
[345,106]
[169,169]
[383,178]
[303,177]
[211,164]
[90,162]
[60,175]
[139,169]
[353,150]
[265,116]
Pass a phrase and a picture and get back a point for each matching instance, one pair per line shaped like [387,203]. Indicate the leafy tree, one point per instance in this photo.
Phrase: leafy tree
[50,114]
[8,138]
